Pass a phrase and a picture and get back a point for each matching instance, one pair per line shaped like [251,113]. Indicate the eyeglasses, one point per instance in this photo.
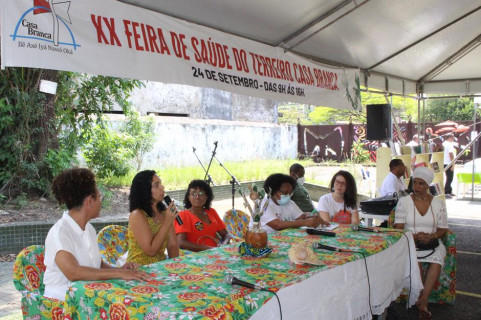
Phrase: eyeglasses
[340,183]
[199,194]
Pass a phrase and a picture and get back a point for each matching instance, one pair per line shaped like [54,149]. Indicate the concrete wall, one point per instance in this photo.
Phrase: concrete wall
[201,103]
[237,141]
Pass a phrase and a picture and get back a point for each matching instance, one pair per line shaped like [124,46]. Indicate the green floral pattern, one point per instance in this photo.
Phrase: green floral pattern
[28,271]
[192,286]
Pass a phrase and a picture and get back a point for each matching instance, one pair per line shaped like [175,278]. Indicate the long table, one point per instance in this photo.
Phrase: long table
[192,287]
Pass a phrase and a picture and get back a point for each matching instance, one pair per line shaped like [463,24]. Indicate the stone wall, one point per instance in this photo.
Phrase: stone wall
[201,103]
[237,141]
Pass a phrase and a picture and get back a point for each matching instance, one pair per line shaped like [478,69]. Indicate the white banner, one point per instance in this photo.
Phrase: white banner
[111,38]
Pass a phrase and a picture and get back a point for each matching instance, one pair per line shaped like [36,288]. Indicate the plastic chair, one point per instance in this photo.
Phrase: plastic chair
[237,223]
[28,271]
[113,243]
[444,290]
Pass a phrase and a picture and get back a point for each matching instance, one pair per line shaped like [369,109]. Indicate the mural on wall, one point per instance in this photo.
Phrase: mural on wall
[334,142]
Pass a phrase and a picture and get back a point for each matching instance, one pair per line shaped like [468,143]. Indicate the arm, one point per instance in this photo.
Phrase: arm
[187,245]
[150,243]
[355,217]
[278,224]
[172,244]
[325,216]
[70,267]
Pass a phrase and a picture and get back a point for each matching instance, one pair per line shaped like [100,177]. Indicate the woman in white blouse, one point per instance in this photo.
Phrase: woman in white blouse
[71,249]
[425,216]
[340,205]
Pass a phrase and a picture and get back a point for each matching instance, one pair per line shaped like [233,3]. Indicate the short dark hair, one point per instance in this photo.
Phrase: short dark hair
[395,163]
[72,186]
[141,192]
[350,196]
[201,185]
[295,168]
[274,181]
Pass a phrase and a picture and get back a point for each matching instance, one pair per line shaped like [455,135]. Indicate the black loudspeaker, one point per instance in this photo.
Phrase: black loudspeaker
[379,126]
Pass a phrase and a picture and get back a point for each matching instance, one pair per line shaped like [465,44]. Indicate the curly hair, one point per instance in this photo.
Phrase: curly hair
[350,196]
[274,182]
[141,192]
[203,186]
[72,186]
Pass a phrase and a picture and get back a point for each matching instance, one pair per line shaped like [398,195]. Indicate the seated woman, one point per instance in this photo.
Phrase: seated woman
[279,211]
[151,229]
[71,249]
[202,229]
[341,204]
[425,216]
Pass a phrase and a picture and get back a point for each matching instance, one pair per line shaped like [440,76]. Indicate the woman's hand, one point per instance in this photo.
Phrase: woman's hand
[314,222]
[423,237]
[130,265]
[171,213]
[134,275]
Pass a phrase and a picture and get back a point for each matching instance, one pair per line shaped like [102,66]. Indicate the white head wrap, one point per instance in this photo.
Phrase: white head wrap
[424,173]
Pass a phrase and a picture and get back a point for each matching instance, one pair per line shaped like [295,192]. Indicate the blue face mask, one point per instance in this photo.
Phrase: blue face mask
[285,198]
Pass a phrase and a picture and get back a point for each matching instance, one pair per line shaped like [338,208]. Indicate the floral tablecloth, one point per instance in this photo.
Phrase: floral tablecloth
[192,286]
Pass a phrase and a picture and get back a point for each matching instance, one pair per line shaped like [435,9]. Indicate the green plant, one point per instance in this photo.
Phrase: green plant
[142,130]
[358,153]
[107,152]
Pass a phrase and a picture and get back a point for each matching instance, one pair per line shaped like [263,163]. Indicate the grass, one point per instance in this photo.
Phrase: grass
[178,178]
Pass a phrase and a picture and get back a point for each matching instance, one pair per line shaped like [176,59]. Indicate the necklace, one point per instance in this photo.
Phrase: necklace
[421,198]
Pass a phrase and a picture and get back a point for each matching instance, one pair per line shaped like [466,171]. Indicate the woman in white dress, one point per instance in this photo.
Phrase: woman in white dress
[425,216]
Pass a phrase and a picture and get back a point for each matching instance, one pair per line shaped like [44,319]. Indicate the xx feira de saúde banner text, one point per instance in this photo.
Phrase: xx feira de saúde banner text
[112,38]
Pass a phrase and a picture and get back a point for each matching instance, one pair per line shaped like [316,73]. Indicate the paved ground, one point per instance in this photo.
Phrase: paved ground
[464,219]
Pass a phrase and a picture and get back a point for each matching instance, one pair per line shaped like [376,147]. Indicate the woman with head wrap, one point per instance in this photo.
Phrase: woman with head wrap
[425,216]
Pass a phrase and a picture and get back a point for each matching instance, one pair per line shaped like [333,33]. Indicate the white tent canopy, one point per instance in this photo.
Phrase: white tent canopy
[315,52]
[399,45]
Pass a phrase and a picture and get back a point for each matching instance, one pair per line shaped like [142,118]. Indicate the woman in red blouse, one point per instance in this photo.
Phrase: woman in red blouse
[202,228]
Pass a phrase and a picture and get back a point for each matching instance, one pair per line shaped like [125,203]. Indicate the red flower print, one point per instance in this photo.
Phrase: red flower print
[32,276]
[213,313]
[128,301]
[175,266]
[98,286]
[144,289]
[192,277]
[103,314]
[192,296]
[189,309]
[57,313]
[297,271]
[257,271]
[118,312]
[215,267]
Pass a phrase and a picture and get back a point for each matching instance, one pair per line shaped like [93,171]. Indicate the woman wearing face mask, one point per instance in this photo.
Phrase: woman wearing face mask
[281,212]
[300,195]
[341,204]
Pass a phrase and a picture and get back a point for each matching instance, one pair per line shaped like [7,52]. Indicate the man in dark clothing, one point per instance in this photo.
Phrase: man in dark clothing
[300,195]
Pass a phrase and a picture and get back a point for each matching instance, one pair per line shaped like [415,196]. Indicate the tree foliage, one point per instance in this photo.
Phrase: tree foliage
[449,109]
[40,134]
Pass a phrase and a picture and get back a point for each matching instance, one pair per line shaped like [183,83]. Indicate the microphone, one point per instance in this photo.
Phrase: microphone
[361,228]
[322,246]
[321,232]
[230,279]
[168,200]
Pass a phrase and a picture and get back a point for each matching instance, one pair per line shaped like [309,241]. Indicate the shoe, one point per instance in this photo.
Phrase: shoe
[425,315]
[452,195]
[447,196]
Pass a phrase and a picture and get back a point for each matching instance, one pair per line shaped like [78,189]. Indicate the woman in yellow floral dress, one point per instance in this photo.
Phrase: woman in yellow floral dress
[151,229]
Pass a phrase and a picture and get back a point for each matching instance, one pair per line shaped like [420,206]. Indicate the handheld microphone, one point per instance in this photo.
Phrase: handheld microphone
[361,228]
[322,246]
[168,200]
[321,232]
[230,279]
